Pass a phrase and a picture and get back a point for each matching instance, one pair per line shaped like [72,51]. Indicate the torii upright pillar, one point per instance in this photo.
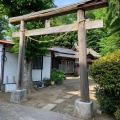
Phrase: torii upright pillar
[20,95]
[83,106]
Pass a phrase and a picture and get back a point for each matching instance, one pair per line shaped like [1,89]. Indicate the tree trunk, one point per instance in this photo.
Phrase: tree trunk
[27,81]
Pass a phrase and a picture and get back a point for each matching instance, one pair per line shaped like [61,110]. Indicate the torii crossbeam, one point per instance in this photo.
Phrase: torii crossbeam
[81,27]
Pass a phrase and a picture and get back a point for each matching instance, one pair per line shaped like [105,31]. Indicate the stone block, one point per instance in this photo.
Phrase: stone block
[83,110]
[49,107]
[68,96]
[59,101]
[19,96]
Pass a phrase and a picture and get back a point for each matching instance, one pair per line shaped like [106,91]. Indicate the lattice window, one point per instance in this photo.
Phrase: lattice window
[38,62]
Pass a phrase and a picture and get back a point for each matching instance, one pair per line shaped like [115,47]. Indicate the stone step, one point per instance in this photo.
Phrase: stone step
[59,101]
[49,107]
[68,96]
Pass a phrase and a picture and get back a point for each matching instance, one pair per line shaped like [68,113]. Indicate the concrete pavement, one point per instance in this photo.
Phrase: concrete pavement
[9,111]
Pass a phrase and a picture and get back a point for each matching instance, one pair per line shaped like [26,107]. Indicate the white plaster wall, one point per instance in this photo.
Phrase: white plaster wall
[10,68]
[11,64]
[46,67]
[36,73]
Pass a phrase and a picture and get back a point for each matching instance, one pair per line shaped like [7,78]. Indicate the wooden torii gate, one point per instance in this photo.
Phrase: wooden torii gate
[80,8]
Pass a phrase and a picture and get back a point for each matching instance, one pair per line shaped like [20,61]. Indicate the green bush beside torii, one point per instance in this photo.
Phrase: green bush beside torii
[106,73]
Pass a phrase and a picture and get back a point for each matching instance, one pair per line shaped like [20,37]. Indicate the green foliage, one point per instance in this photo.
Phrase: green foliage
[107,39]
[109,44]
[111,41]
[3,25]
[117,113]
[106,73]
[69,39]
[57,75]
[106,99]
[63,20]
[32,47]
[21,7]
[94,36]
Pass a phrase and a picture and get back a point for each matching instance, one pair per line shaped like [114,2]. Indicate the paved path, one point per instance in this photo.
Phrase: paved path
[18,112]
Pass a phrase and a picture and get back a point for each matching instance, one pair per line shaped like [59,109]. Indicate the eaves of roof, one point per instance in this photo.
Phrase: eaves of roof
[6,42]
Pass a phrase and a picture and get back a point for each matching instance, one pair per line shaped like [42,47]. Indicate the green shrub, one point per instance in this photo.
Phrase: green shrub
[53,74]
[106,73]
[117,113]
[57,75]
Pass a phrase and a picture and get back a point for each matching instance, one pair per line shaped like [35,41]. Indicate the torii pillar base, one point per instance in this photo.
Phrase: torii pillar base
[83,110]
[19,96]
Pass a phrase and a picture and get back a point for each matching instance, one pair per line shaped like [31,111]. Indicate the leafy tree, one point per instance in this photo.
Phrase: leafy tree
[94,36]
[106,39]
[21,7]
[69,39]
[111,42]
[3,25]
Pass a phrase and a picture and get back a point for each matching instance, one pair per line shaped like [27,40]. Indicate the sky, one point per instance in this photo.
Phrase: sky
[60,3]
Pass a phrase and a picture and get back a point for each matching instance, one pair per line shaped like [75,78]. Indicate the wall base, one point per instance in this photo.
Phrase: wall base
[19,96]
[83,110]
[2,88]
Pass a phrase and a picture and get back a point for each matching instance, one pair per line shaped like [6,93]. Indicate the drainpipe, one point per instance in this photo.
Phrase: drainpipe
[41,67]
[2,63]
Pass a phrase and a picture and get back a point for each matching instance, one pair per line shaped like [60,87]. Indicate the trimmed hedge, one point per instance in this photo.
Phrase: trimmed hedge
[106,73]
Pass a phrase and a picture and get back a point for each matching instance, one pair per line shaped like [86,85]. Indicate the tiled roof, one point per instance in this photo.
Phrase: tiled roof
[65,55]
[62,50]
[89,51]
[92,52]
[71,53]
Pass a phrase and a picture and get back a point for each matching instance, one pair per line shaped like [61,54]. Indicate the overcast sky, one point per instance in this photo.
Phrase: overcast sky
[65,2]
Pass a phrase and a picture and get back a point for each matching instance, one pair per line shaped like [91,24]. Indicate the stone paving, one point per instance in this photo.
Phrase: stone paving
[50,106]
[68,96]
[18,112]
[59,101]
